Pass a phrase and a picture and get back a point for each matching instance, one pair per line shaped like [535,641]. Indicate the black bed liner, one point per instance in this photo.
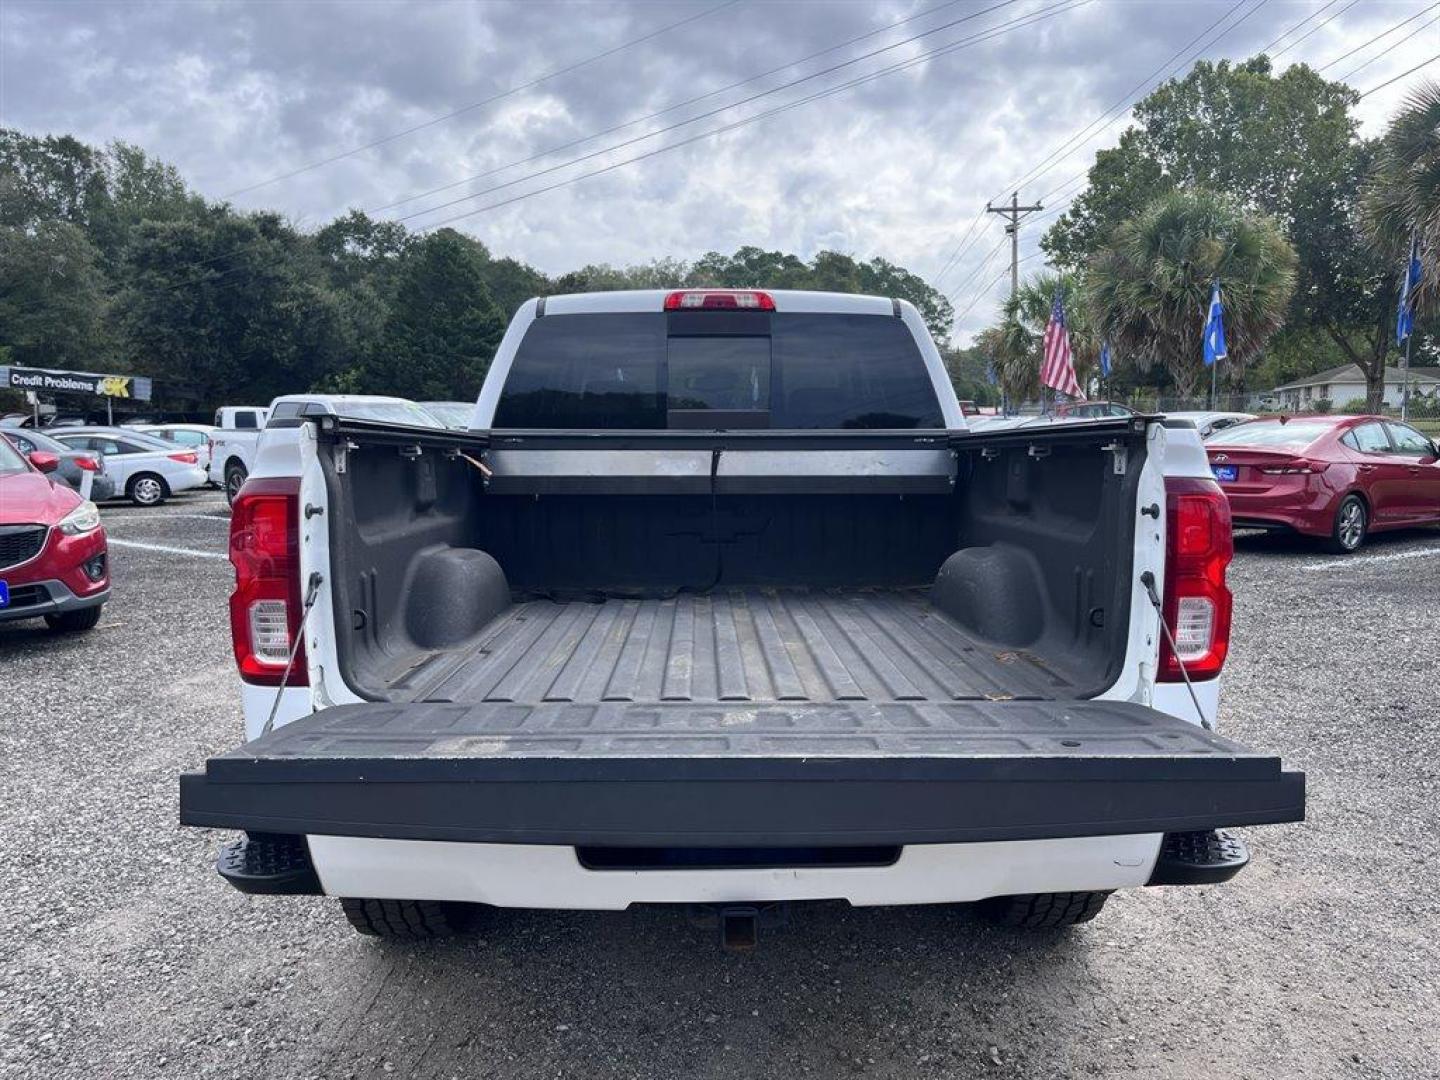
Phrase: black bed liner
[738,774]
[795,645]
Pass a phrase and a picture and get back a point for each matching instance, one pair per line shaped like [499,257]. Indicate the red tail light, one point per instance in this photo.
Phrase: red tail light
[89,464]
[724,299]
[185,457]
[1197,600]
[265,606]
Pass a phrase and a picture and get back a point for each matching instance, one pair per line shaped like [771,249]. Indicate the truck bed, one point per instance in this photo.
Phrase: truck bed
[794,645]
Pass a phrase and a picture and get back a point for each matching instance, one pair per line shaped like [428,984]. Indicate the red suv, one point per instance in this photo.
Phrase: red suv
[1338,477]
[53,554]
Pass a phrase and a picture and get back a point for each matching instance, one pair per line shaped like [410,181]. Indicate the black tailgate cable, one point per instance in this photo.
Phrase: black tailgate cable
[312,590]
[1148,580]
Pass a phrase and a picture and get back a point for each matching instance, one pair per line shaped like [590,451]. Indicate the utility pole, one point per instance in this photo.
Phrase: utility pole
[1012,229]
[1013,212]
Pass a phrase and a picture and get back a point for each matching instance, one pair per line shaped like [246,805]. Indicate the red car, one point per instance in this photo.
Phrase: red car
[54,559]
[1338,477]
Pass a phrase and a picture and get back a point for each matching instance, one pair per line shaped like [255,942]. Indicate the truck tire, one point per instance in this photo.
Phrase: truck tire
[235,475]
[407,920]
[1045,910]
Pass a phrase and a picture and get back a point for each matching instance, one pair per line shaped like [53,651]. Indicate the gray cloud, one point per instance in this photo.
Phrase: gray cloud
[235,94]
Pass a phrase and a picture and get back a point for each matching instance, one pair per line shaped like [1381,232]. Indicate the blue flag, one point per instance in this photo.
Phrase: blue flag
[990,376]
[1405,320]
[1215,328]
[1105,361]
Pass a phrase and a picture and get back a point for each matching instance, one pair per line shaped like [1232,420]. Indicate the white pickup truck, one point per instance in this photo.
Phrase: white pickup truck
[721,603]
[232,445]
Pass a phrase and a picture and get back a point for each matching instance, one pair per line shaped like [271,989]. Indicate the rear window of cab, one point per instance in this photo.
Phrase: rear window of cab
[718,371]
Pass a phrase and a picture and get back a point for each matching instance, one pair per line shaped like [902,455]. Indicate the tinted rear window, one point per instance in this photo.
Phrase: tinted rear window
[640,371]
[1289,436]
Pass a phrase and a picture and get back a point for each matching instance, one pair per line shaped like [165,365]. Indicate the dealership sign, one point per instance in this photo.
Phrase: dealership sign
[44,380]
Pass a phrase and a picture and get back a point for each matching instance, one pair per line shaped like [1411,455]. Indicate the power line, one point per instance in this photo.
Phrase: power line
[555,73]
[1378,56]
[955,251]
[984,264]
[1318,26]
[708,114]
[985,292]
[1377,37]
[1085,171]
[931,11]
[1286,33]
[996,31]
[1045,13]
[982,294]
[1120,106]
[1385,52]
[668,109]
[1403,74]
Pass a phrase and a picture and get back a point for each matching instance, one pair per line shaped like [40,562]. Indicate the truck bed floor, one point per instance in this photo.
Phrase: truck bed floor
[751,645]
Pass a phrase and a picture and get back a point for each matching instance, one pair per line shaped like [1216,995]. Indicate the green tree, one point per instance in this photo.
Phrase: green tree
[227,308]
[49,179]
[52,297]
[970,373]
[1286,145]
[1402,198]
[512,282]
[883,278]
[443,326]
[1150,287]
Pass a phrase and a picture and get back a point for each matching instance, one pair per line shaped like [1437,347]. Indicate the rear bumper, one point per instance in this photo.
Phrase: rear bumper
[624,775]
[548,876]
[185,479]
[1309,510]
[538,876]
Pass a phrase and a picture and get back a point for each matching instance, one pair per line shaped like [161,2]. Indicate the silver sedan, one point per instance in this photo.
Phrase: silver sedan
[148,470]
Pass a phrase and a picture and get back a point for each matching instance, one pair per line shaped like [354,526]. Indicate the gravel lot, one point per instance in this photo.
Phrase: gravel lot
[123,955]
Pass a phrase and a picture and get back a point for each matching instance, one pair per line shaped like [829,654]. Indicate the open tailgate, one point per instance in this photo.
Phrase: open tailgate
[705,775]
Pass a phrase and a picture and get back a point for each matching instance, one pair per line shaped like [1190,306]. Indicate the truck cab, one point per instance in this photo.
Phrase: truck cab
[721,602]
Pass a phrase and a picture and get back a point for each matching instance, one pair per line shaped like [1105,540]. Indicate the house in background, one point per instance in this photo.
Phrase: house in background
[1343,384]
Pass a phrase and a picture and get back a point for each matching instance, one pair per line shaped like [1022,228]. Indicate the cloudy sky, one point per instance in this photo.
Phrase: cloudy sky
[877,128]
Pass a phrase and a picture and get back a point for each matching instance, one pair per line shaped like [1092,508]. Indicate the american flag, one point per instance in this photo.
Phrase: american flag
[1058,370]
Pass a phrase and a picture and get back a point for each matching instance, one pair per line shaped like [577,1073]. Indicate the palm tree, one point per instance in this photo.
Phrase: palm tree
[1149,288]
[1402,198]
[1017,343]
[1030,310]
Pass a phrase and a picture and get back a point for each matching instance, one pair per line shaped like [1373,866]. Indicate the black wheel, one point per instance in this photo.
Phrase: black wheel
[1352,521]
[74,622]
[407,920]
[1044,910]
[147,489]
[234,480]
